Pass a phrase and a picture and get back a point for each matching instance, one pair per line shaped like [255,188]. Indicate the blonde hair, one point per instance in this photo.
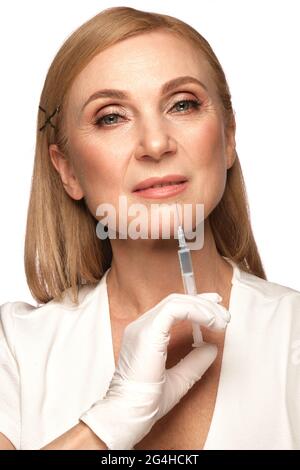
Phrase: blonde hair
[62,249]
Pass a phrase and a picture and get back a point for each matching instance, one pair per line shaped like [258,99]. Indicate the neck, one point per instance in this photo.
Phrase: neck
[143,273]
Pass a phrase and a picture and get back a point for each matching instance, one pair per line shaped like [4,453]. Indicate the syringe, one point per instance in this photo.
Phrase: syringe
[188,278]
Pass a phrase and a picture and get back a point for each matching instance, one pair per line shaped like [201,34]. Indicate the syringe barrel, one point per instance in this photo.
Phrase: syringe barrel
[186,267]
[189,284]
[189,288]
[185,260]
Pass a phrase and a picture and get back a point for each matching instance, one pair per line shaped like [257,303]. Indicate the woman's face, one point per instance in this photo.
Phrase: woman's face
[117,142]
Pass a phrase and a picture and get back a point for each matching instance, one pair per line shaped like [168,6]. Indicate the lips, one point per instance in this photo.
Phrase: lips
[150,182]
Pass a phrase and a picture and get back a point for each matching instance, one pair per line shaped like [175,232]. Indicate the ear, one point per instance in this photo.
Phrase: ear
[230,143]
[64,167]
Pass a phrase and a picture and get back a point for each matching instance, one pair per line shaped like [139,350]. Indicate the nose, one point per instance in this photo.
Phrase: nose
[155,141]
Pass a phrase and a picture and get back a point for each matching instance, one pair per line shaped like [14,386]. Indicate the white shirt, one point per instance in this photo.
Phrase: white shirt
[56,360]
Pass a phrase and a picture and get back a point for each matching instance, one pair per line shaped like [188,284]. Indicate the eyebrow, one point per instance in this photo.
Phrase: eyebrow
[122,95]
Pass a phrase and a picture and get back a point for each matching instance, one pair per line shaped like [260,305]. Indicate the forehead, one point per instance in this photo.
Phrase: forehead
[140,64]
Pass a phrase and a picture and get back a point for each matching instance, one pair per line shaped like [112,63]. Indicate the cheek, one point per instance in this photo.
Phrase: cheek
[209,163]
[99,173]
[209,141]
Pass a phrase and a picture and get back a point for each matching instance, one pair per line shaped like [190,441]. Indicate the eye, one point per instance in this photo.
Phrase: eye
[195,104]
[105,120]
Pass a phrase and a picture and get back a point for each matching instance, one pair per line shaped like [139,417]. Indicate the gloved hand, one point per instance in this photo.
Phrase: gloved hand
[142,390]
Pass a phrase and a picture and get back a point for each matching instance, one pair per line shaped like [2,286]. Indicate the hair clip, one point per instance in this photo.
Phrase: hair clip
[48,120]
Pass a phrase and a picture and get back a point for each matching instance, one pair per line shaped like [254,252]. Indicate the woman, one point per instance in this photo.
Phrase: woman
[174,116]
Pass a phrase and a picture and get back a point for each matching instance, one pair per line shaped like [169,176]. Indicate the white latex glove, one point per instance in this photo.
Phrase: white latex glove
[142,390]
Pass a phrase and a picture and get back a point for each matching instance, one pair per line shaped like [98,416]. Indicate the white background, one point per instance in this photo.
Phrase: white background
[257,43]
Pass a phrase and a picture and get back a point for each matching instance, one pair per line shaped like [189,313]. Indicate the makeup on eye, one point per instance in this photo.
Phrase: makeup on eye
[194,103]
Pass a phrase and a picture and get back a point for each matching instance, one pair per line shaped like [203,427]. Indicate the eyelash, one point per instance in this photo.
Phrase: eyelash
[99,120]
